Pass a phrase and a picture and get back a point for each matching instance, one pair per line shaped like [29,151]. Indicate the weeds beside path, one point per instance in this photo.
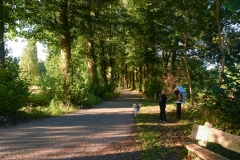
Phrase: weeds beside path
[162,140]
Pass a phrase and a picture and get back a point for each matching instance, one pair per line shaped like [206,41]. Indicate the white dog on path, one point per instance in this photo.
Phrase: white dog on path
[136,108]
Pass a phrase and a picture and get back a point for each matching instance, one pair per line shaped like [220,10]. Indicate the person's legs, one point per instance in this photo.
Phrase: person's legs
[162,113]
[179,111]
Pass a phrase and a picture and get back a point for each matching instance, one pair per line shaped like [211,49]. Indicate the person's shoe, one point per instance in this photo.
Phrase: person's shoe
[160,120]
[165,121]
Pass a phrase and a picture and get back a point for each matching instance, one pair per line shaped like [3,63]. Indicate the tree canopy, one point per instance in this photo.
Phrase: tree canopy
[96,46]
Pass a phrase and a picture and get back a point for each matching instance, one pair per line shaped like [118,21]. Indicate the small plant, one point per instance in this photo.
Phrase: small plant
[91,100]
[42,98]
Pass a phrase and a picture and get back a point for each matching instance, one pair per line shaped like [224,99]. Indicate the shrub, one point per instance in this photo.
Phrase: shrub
[13,90]
[220,105]
[42,98]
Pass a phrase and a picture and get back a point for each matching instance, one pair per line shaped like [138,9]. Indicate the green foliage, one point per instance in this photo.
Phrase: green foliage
[148,138]
[13,90]
[42,98]
[220,105]
[81,94]
[217,148]
[132,39]
[52,80]
[157,140]
[152,87]
[29,63]
[91,100]
[42,69]
[55,108]
[108,96]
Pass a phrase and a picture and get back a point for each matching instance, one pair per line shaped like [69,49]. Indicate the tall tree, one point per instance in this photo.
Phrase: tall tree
[29,62]
[2,52]
[220,42]
[65,45]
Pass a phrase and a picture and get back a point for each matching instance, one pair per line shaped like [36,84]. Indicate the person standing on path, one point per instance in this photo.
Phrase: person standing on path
[162,104]
[179,99]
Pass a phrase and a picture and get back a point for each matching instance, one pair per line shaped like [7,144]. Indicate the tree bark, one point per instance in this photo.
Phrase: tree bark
[174,56]
[140,79]
[220,43]
[133,80]
[2,52]
[103,60]
[165,61]
[126,76]
[65,46]
[92,68]
[186,65]
[185,35]
[174,70]
[90,50]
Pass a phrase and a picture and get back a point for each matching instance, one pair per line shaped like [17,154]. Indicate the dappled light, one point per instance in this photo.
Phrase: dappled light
[74,134]
[111,70]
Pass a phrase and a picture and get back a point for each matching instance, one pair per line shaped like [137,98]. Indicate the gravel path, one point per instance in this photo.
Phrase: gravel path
[87,134]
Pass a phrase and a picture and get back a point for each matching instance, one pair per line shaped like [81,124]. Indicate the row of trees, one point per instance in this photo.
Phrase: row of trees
[95,46]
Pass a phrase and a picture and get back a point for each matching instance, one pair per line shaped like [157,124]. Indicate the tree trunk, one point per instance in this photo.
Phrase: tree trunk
[65,46]
[123,75]
[133,80]
[185,35]
[220,43]
[90,50]
[165,61]
[144,77]
[174,70]
[2,52]
[92,68]
[126,76]
[174,56]
[187,70]
[103,61]
[140,79]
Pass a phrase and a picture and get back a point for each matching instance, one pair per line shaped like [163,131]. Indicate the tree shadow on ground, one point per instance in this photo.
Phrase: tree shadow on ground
[170,136]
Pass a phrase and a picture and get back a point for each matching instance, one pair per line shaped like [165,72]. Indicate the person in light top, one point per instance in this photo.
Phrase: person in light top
[179,99]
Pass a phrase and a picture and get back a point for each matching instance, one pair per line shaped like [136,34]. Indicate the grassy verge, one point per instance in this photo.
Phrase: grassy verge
[29,113]
[162,140]
[55,108]
[41,105]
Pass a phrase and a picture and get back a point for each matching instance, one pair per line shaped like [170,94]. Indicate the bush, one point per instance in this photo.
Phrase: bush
[220,105]
[42,98]
[13,90]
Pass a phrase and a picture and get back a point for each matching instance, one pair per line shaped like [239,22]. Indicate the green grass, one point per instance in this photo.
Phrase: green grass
[163,141]
[159,140]
[55,108]
[42,105]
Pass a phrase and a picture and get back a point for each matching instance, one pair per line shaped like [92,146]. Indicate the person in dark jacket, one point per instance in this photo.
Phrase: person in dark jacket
[162,104]
[179,99]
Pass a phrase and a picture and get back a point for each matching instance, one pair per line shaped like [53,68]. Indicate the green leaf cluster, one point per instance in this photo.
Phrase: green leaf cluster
[220,105]
[13,90]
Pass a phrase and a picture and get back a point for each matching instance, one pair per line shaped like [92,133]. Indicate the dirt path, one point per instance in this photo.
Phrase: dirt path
[87,134]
